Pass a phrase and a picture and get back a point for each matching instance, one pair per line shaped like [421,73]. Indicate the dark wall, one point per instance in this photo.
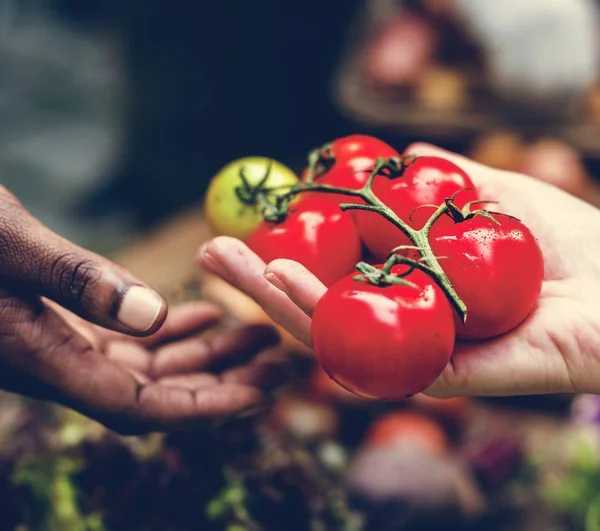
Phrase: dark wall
[211,81]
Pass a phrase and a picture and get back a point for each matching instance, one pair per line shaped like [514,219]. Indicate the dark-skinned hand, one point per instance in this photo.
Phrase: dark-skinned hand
[81,331]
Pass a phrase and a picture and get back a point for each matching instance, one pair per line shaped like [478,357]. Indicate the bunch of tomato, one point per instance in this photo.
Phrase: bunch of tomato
[390,332]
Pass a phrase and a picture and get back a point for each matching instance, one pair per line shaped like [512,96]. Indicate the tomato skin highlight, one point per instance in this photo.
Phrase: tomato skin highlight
[497,270]
[354,158]
[316,233]
[427,180]
[384,343]
[225,213]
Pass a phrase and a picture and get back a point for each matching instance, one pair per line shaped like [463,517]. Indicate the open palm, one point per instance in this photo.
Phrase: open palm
[556,350]
[197,368]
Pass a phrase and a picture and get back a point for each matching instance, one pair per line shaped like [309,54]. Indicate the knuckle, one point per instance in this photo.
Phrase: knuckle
[74,276]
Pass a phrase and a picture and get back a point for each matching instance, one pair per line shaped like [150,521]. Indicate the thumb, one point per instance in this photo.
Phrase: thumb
[36,260]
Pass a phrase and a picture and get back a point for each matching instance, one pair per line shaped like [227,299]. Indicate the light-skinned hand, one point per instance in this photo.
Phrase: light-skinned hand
[556,350]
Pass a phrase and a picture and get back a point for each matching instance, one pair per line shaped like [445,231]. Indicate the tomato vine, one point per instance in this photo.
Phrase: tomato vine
[276,207]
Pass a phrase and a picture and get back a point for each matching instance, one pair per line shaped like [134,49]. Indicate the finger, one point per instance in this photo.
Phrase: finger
[264,375]
[184,320]
[166,407]
[297,282]
[212,350]
[190,381]
[231,260]
[37,260]
[44,358]
[130,355]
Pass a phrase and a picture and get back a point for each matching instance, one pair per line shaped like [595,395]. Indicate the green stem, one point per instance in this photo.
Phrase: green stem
[441,210]
[395,259]
[308,187]
[419,238]
[422,241]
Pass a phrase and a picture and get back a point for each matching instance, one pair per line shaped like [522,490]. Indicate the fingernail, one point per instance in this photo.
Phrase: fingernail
[140,308]
[276,281]
[213,264]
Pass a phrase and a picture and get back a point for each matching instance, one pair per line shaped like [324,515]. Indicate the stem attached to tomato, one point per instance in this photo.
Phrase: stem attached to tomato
[419,238]
[382,277]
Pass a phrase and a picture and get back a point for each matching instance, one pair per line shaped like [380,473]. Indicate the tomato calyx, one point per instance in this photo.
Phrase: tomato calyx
[395,167]
[383,277]
[273,206]
[465,213]
[323,159]
[320,161]
[248,193]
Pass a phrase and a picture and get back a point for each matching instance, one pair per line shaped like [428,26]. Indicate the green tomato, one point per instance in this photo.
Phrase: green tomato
[225,211]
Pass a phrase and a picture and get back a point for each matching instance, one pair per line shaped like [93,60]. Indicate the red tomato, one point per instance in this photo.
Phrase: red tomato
[384,343]
[315,233]
[348,163]
[427,180]
[497,270]
[401,426]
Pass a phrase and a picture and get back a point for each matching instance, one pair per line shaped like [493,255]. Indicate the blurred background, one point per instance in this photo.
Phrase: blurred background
[115,114]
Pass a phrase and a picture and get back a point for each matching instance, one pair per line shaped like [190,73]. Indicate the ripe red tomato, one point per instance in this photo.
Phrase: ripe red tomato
[384,343]
[402,426]
[427,180]
[349,161]
[497,270]
[315,233]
